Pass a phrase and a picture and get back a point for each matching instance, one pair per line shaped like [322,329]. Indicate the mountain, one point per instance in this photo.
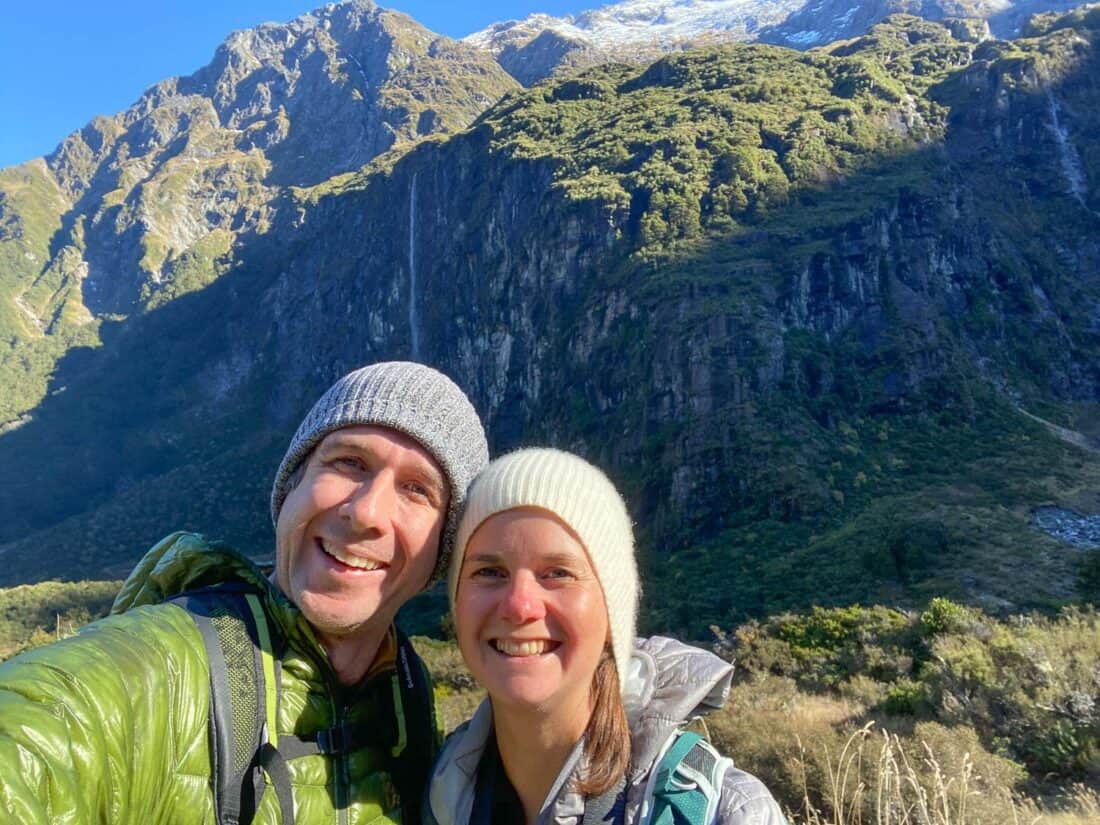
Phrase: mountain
[809,309]
[135,210]
[635,30]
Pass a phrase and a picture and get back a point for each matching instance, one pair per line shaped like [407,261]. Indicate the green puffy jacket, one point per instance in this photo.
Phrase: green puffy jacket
[110,726]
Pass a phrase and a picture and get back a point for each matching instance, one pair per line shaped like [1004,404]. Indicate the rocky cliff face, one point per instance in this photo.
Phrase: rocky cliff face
[789,301]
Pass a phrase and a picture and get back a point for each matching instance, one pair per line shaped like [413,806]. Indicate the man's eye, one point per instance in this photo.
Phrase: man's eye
[347,462]
[417,489]
[558,573]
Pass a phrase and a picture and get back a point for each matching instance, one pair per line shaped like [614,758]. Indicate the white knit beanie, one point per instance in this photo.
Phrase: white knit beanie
[585,500]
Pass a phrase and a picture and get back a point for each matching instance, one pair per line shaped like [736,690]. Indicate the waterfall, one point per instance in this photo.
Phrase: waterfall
[414,326]
[1071,163]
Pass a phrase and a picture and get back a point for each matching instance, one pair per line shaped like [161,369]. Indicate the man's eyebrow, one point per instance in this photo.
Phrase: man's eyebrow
[434,476]
[336,442]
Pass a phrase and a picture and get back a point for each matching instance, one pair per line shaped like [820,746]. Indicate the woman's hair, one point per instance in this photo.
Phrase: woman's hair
[607,737]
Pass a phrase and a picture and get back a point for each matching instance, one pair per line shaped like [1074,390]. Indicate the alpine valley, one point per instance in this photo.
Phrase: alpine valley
[829,316]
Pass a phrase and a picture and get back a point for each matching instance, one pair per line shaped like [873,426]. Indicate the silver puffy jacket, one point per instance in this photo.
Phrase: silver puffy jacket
[669,684]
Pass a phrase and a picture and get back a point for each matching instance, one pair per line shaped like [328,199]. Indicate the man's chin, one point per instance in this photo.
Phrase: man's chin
[336,617]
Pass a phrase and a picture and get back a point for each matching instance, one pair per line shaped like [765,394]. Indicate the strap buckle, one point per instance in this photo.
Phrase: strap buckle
[334,741]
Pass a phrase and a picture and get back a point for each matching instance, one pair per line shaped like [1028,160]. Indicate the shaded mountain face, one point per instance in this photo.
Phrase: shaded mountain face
[136,210]
[797,304]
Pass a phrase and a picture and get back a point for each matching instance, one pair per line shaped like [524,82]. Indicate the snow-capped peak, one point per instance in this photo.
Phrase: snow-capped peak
[652,22]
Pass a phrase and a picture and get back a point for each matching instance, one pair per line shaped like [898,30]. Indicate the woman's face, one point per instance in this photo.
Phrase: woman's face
[530,615]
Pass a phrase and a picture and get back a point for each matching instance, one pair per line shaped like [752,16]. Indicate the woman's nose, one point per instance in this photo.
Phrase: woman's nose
[522,600]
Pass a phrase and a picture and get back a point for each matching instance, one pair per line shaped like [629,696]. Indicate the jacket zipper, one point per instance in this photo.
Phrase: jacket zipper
[342,776]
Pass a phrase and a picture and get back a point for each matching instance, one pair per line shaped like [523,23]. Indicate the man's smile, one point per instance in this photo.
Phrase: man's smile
[349,559]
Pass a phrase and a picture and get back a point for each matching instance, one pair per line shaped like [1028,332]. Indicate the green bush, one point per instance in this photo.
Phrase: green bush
[945,616]
[905,697]
[1088,577]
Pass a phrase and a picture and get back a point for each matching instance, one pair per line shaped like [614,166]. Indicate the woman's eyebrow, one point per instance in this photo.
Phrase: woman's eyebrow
[483,558]
[563,557]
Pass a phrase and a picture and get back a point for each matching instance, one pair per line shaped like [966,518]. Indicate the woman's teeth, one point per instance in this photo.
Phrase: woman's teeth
[531,648]
[340,555]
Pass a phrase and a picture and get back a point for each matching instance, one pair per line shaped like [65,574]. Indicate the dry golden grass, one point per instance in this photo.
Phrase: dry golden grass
[826,768]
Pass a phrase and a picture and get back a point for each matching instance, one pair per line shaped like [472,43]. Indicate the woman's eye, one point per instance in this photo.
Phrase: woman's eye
[347,462]
[558,573]
[487,573]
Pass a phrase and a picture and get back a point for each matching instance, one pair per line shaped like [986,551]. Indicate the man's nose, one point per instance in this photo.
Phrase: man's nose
[522,600]
[370,506]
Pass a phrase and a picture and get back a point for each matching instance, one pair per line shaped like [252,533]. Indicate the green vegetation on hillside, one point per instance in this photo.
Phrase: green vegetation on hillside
[32,615]
[37,322]
[891,509]
[721,139]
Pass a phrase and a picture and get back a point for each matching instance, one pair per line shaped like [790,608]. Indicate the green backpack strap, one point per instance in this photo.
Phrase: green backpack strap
[687,782]
[243,702]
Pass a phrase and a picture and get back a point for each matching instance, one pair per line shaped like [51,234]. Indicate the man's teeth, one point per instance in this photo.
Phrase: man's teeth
[348,559]
[532,648]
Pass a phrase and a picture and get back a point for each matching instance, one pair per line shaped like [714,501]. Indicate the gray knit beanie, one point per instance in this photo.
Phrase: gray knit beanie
[588,503]
[416,400]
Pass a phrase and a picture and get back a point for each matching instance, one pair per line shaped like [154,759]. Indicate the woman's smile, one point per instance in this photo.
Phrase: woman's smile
[523,648]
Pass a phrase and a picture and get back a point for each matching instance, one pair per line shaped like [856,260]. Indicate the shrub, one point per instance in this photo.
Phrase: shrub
[1088,577]
[904,698]
[945,616]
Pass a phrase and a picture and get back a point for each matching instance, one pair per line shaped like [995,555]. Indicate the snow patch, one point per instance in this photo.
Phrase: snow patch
[804,38]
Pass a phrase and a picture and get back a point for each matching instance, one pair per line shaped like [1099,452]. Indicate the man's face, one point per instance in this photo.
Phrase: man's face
[359,535]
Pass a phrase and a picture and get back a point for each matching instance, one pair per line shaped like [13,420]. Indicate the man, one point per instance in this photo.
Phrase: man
[115,724]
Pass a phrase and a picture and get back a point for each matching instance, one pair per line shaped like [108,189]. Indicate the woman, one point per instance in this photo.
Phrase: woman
[544,592]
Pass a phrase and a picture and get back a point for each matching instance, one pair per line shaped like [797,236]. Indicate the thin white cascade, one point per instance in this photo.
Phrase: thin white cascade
[414,321]
[1071,163]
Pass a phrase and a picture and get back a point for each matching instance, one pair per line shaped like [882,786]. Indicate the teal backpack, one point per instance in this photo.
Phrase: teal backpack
[687,783]
[683,789]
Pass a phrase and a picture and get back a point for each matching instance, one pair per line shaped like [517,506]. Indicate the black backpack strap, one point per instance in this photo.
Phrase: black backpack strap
[238,644]
[274,764]
[339,740]
[417,734]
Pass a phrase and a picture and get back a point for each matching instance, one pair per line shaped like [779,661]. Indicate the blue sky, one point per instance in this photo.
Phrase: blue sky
[64,62]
